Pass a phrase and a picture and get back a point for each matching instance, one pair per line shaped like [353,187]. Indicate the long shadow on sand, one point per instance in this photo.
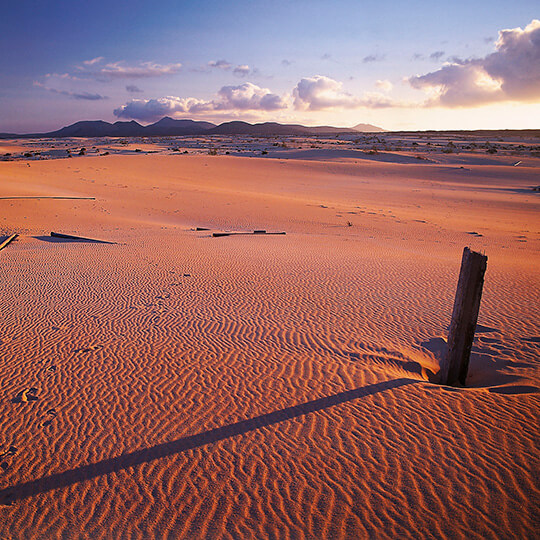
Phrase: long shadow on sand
[55,240]
[107,466]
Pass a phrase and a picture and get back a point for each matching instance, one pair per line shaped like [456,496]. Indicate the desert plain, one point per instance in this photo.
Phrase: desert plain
[174,384]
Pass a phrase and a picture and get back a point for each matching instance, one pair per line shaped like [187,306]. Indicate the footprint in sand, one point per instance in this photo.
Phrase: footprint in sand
[11,451]
[52,414]
[26,395]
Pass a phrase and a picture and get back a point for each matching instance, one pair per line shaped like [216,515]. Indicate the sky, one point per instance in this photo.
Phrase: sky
[412,65]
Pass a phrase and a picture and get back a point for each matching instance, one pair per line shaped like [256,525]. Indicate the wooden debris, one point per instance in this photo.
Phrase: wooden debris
[47,197]
[8,240]
[256,232]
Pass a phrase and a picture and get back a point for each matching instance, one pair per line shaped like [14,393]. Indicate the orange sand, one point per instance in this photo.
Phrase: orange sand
[155,387]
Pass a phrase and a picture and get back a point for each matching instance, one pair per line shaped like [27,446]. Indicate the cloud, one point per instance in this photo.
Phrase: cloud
[385,85]
[245,97]
[220,64]
[242,70]
[511,73]
[437,55]
[118,70]
[376,100]
[133,88]
[286,62]
[320,92]
[249,96]
[373,58]
[93,61]
[74,95]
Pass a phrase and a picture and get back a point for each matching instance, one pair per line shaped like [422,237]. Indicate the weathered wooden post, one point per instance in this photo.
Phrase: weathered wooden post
[464,316]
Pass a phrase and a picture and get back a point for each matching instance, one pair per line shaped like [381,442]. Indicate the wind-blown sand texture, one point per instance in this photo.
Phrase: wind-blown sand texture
[177,385]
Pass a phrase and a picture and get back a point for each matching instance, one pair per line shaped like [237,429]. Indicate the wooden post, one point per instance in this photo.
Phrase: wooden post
[464,316]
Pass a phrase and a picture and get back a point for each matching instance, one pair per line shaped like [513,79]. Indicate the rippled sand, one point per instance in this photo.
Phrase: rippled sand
[184,386]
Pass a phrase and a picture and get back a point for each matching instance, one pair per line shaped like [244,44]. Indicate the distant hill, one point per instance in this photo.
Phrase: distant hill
[170,127]
[273,128]
[368,128]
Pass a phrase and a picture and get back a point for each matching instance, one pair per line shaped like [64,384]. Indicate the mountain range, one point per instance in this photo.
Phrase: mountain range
[169,127]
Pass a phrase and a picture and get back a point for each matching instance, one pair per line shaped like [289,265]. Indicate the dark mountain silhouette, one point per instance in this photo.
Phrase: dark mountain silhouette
[273,128]
[170,127]
[97,128]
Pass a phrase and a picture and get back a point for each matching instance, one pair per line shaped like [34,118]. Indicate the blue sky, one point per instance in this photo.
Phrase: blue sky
[400,65]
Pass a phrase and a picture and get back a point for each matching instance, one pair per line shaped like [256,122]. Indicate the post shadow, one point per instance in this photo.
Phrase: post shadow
[132,459]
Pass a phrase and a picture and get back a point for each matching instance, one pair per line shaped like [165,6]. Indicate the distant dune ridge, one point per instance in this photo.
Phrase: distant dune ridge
[170,127]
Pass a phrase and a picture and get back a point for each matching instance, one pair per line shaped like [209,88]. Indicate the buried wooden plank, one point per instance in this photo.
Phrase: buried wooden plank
[8,240]
[49,197]
[256,232]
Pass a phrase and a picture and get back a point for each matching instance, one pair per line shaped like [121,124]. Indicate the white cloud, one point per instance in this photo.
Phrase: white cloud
[320,92]
[511,73]
[119,70]
[249,96]
[245,97]
[93,61]
[385,86]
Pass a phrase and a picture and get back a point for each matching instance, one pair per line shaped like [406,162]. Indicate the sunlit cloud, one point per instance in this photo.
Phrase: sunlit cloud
[93,61]
[244,97]
[117,70]
[323,93]
[511,73]
[91,69]
[249,96]
[320,92]
[384,85]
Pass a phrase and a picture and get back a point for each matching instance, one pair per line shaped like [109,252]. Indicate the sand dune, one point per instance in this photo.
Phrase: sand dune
[179,385]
